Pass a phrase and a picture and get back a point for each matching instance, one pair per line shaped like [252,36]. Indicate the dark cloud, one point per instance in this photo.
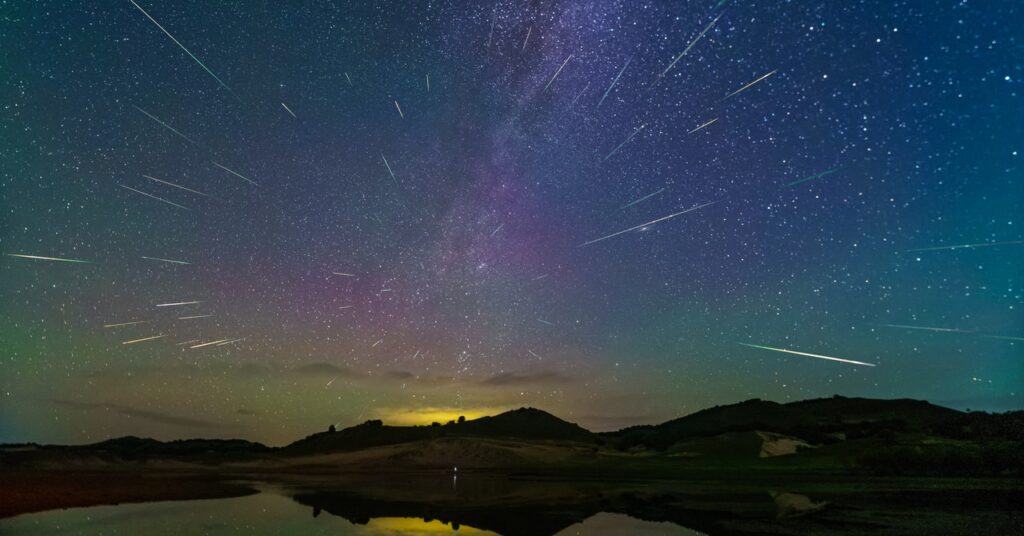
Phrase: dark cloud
[511,378]
[155,416]
[400,374]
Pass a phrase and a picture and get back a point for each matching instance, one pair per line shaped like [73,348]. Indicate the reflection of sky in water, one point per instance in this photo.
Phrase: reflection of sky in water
[267,513]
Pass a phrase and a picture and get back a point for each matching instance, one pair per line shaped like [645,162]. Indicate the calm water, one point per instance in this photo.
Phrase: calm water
[337,505]
[272,513]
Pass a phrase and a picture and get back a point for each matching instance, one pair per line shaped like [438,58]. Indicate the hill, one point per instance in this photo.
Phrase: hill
[523,423]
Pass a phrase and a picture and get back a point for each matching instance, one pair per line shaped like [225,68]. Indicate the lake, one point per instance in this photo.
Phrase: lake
[481,504]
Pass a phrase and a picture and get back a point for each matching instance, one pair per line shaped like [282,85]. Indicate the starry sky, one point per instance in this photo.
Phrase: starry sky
[297,214]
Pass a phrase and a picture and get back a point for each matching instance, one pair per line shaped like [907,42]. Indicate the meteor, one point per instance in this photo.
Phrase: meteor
[652,222]
[209,343]
[557,72]
[330,382]
[539,358]
[644,198]
[193,317]
[289,110]
[702,126]
[399,108]
[187,342]
[969,246]
[162,200]
[609,90]
[1004,337]
[239,175]
[165,260]
[177,303]
[232,341]
[812,177]
[619,146]
[346,307]
[344,274]
[175,185]
[744,88]
[805,354]
[495,231]
[145,339]
[181,46]
[126,324]
[376,343]
[165,125]
[389,167]
[41,258]
[539,277]
[349,79]
[542,321]
[428,82]
[926,328]
[687,49]
[578,95]
[527,40]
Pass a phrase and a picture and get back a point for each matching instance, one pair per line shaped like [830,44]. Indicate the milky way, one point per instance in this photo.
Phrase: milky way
[288,215]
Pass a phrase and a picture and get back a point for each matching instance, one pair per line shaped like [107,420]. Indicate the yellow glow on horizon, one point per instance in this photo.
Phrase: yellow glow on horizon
[415,525]
[427,415]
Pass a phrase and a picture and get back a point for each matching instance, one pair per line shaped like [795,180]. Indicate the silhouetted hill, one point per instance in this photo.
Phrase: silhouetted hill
[816,420]
[886,436]
[522,423]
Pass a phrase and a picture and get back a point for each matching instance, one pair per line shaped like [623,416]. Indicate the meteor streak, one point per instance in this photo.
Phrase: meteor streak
[41,258]
[702,126]
[687,49]
[232,341]
[387,165]
[177,303]
[609,90]
[969,246]
[527,40]
[344,274]
[580,94]
[235,173]
[165,260]
[812,177]
[539,358]
[126,324]
[428,82]
[542,321]
[644,198]
[619,146]
[926,328]
[794,352]
[1004,337]
[289,110]
[165,125]
[175,185]
[162,200]
[193,317]
[744,88]
[181,46]
[349,79]
[145,339]
[209,343]
[495,231]
[376,343]
[399,108]
[557,72]
[187,342]
[652,222]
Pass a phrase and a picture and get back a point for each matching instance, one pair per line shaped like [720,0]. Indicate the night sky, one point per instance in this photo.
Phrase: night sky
[412,211]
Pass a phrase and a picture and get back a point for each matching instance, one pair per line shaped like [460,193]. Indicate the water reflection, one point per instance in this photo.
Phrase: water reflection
[511,507]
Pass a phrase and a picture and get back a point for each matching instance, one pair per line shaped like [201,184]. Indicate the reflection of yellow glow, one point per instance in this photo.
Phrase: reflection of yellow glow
[420,416]
[415,525]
